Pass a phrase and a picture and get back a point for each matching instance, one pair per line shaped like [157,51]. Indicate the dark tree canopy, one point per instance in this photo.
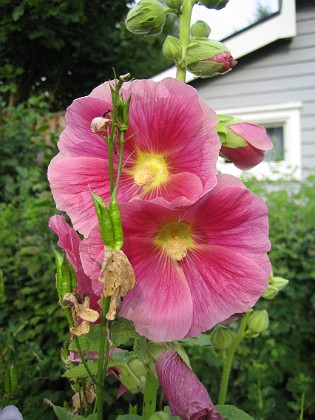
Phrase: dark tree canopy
[65,47]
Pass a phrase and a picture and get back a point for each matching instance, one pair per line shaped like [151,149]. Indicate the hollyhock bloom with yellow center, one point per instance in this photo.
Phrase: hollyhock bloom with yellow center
[170,156]
[195,266]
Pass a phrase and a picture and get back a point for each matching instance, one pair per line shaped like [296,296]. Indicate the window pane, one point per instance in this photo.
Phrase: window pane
[276,136]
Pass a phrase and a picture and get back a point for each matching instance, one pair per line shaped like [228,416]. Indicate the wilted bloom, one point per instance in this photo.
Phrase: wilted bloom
[243,143]
[146,18]
[195,266]
[207,58]
[10,412]
[170,156]
[186,395]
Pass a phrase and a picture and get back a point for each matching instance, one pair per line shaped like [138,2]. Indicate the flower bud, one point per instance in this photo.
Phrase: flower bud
[274,286]
[271,292]
[221,338]
[200,29]
[258,321]
[207,58]
[172,48]
[242,143]
[146,18]
[214,4]
[10,412]
[174,4]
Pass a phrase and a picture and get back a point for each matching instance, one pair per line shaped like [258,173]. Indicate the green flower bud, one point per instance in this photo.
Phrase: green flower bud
[214,4]
[65,279]
[172,48]
[174,4]
[207,58]
[258,321]
[200,29]
[146,18]
[271,292]
[279,282]
[221,338]
[10,380]
[228,137]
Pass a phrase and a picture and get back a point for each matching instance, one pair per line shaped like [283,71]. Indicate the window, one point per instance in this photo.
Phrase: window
[282,122]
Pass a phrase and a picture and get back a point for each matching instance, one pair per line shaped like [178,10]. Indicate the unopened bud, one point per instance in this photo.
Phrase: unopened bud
[146,18]
[275,285]
[207,58]
[258,321]
[200,29]
[271,292]
[221,338]
[174,4]
[101,125]
[172,48]
[214,4]
[228,137]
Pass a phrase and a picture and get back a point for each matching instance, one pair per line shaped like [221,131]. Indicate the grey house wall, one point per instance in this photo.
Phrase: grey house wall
[282,72]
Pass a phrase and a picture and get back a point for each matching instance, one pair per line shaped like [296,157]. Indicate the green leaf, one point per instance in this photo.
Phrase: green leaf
[202,341]
[232,413]
[128,417]
[90,341]
[122,331]
[80,371]
[63,414]
[140,349]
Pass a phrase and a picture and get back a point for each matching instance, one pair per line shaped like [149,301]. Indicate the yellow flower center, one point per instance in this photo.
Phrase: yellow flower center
[175,239]
[150,170]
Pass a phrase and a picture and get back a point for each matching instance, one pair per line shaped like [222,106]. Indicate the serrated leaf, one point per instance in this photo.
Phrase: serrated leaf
[230,412]
[202,341]
[122,331]
[80,371]
[90,341]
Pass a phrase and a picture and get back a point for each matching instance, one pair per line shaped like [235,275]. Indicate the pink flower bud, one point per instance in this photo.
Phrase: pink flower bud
[243,143]
[225,59]
[186,395]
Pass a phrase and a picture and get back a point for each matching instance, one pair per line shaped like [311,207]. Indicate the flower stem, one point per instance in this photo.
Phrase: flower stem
[150,395]
[184,36]
[229,359]
[102,365]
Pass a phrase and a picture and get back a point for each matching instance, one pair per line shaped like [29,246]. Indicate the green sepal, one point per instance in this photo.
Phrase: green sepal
[203,340]
[104,221]
[116,221]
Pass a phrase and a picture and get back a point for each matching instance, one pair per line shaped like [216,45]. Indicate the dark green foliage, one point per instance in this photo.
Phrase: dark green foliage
[272,371]
[66,48]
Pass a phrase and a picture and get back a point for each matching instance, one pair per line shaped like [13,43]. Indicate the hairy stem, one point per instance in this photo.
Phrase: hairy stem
[150,395]
[184,36]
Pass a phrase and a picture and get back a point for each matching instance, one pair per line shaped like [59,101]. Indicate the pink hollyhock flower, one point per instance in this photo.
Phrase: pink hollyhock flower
[186,395]
[256,141]
[195,266]
[69,241]
[170,157]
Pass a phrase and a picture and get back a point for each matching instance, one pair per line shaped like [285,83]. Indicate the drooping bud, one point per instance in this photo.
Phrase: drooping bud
[258,321]
[174,4]
[208,58]
[200,29]
[221,338]
[242,143]
[146,18]
[172,48]
[214,4]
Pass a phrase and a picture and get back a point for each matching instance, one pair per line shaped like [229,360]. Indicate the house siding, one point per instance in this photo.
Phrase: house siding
[282,72]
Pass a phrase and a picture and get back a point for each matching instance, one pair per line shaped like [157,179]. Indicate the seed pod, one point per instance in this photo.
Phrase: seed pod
[63,278]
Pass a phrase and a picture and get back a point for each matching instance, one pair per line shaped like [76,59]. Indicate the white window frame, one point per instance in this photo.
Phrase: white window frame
[286,115]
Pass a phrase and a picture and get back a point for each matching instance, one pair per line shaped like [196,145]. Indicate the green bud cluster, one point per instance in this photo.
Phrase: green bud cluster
[275,284]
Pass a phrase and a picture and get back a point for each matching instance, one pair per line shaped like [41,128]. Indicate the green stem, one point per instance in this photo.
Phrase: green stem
[229,359]
[111,163]
[121,152]
[302,406]
[100,364]
[184,36]
[150,395]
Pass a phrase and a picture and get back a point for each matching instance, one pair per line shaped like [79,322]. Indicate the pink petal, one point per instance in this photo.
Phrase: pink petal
[243,158]
[253,134]
[222,283]
[70,180]
[186,395]
[160,304]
